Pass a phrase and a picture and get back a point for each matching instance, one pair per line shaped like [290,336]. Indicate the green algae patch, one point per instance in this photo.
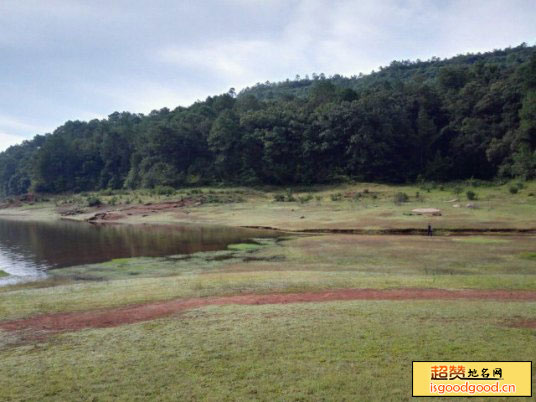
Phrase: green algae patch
[145,267]
[244,246]
[255,244]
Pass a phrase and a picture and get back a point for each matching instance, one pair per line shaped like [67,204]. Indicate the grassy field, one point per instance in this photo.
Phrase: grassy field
[326,351]
[351,206]
[300,264]
[337,350]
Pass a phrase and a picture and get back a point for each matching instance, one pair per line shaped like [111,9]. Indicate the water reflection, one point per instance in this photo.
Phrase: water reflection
[29,249]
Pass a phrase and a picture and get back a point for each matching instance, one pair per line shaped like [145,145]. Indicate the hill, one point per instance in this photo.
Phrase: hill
[425,71]
[469,116]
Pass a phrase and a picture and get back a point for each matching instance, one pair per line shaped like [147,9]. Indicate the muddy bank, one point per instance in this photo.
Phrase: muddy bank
[144,210]
[232,210]
[51,323]
[406,231]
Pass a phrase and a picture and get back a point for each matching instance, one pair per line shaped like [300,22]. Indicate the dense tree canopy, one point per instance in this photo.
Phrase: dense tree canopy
[468,116]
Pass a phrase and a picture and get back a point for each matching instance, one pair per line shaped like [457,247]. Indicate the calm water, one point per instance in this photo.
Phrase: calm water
[29,249]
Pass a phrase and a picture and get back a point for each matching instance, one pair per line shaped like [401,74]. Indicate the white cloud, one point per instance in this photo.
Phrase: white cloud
[7,122]
[476,26]
[74,59]
[339,37]
[19,130]
[7,140]
[238,62]
[150,96]
[349,37]
[141,97]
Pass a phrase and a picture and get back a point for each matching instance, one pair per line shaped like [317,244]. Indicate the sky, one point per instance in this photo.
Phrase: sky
[83,59]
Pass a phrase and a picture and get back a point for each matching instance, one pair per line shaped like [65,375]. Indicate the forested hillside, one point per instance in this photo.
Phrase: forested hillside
[469,116]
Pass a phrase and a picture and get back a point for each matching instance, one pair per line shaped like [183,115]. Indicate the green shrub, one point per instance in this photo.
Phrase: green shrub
[457,190]
[399,198]
[164,190]
[336,197]
[474,182]
[279,198]
[289,196]
[513,189]
[471,195]
[93,202]
[428,186]
[305,199]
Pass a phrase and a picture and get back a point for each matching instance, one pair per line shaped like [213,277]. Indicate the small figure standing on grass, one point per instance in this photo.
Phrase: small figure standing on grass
[429,230]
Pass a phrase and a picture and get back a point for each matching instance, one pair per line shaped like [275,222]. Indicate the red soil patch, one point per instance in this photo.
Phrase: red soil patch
[524,324]
[144,210]
[144,312]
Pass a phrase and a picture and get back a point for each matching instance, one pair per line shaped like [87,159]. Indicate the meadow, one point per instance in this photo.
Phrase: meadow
[371,207]
[322,349]
[357,350]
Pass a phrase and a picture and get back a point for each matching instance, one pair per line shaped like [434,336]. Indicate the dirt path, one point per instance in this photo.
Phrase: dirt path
[523,324]
[143,312]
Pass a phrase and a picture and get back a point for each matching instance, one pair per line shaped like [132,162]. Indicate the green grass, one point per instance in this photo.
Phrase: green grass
[529,256]
[3,273]
[296,265]
[412,255]
[326,351]
[97,295]
[147,267]
[482,240]
[360,206]
[375,209]
[360,350]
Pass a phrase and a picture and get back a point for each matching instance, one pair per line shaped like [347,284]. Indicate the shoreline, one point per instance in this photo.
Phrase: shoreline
[359,208]
[163,217]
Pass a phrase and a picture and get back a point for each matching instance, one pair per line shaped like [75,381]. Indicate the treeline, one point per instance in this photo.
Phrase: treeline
[470,116]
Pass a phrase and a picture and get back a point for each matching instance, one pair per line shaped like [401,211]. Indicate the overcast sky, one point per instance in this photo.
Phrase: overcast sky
[72,59]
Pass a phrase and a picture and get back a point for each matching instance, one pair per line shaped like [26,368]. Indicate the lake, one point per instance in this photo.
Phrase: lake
[29,249]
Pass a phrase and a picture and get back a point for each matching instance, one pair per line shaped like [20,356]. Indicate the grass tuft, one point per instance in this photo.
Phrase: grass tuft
[528,256]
